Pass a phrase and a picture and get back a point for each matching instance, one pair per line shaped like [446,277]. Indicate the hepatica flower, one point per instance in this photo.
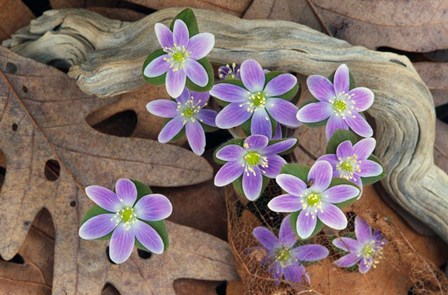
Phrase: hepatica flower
[352,161]
[188,110]
[180,58]
[259,98]
[229,72]
[314,199]
[282,258]
[337,103]
[255,159]
[126,219]
[366,250]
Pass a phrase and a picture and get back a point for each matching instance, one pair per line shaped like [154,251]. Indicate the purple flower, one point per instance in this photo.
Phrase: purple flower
[365,250]
[256,100]
[351,161]
[229,72]
[181,58]
[282,258]
[313,200]
[337,103]
[125,219]
[188,111]
[254,160]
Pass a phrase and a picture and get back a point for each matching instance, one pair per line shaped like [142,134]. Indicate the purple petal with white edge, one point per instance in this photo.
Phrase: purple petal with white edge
[365,265]
[280,85]
[359,125]
[153,207]
[121,244]
[231,116]
[195,72]
[286,234]
[332,216]
[228,173]
[305,224]
[275,164]
[184,96]
[126,191]
[364,148]
[265,237]
[346,244]
[369,168]
[341,79]
[200,98]
[98,226]
[175,82]
[252,75]
[291,184]
[330,158]
[231,152]
[103,197]
[252,184]
[320,173]
[171,129]
[311,252]
[285,204]
[157,67]
[163,108]
[314,112]
[362,230]
[180,33]
[363,98]
[278,132]
[280,147]
[207,117]
[261,123]
[256,142]
[283,111]
[196,137]
[334,123]
[164,35]
[379,237]
[341,193]
[148,237]
[347,261]
[294,273]
[200,45]
[320,87]
[344,149]
[229,92]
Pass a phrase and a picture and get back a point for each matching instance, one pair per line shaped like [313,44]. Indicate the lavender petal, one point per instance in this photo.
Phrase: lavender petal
[171,129]
[320,87]
[153,207]
[195,72]
[347,261]
[207,117]
[341,193]
[196,137]
[200,45]
[291,184]
[286,234]
[320,174]
[306,223]
[285,204]
[163,108]
[265,237]
[164,35]
[121,244]
[283,111]
[157,67]
[230,93]
[181,35]
[231,152]
[228,173]
[314,112]
[252,75]
[332,216]
[334,123]
[312,252]
[175,82]
[365,265]
[148,237]
[275,164]
[362,230]
[280,85]
[126,191]
[359,125]
[97,227]
[344,150]
[369,168]
[261,123]
[364,148]
[256,142]
[346,244]
[252,184]
[294,272]
[103,197]
[341,79]
[363,97]
[231,116]
[280,147]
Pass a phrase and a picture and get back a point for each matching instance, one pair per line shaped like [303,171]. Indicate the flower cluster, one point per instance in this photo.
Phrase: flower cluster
[261,104]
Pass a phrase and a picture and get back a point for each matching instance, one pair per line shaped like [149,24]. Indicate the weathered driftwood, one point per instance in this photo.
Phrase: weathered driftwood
[106,57]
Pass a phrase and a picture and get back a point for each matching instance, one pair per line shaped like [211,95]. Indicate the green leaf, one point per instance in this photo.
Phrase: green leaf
[236,141]
[160,80]
[373,179]
[298,170]
[339,137]
[209,69]
[188,17]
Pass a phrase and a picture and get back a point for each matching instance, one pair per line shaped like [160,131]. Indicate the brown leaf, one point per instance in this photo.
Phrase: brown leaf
[52,154]
[59,4]
[298,11]
[404,25]
[118,13]
[14,14]
[233,7]
[435,76]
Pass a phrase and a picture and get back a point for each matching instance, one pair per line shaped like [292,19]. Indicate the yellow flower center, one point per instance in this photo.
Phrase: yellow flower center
[283,255]
[127,214]
[313,199]
[367,251]
[252,158]
[189,110]
[343,105]
[340,105]
[177,57]
[348,166]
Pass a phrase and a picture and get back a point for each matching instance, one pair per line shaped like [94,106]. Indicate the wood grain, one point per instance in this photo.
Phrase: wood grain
[106,58]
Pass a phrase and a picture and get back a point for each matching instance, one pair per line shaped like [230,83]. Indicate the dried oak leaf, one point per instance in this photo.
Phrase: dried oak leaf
[52,154]
[406,25]
[14,14]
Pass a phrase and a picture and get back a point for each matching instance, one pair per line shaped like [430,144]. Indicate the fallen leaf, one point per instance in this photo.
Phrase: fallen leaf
[404,25]
[435,76]
[298,11]
[188,287]
[14,14]
[233,7]
[118,13]
[59,4]
[52,154]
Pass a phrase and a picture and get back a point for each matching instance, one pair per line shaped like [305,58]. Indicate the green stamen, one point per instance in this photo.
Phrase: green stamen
[127,214]
[252,158]
[340,105]
[313,199]
[283,255]
[367,251]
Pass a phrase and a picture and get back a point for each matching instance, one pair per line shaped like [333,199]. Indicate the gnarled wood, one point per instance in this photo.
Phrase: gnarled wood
[106,57]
